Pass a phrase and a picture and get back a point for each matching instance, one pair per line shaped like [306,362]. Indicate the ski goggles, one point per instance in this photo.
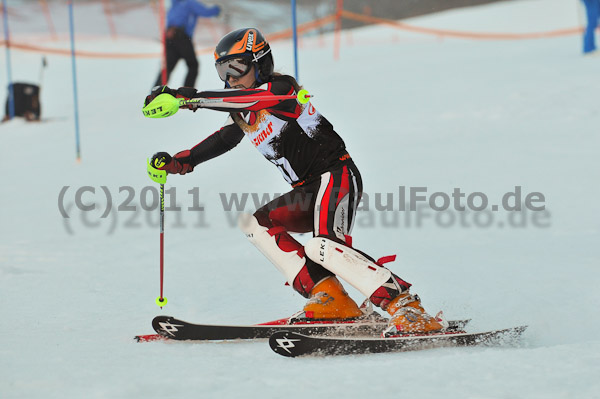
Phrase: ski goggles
[234,67]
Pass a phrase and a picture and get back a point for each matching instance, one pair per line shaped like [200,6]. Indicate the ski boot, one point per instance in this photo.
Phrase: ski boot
[328,301]
[409,317]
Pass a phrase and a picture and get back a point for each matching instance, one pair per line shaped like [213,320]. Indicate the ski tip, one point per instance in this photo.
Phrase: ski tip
[286,343]
[513,331]
[505,337]
[519,330]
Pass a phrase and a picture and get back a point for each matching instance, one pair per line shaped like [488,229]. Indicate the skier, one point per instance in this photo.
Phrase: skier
[592,8]
[326,189]
[181,22]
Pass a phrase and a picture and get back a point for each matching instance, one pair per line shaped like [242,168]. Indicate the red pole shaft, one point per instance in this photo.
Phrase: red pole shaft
[241,99]
[338,28]
[162,262]
[109,20]
[162,238]
[249,99]
[48,16]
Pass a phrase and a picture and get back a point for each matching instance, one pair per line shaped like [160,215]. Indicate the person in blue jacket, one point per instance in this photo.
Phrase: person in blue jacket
[181,22]
[593,13]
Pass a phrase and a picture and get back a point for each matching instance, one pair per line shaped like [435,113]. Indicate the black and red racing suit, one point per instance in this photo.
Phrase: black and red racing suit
[311,156]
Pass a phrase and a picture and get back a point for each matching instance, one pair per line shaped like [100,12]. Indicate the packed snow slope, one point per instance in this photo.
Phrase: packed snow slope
[482,116]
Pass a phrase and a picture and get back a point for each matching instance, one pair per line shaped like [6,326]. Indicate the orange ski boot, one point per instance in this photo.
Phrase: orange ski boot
[329,301]
[408,316]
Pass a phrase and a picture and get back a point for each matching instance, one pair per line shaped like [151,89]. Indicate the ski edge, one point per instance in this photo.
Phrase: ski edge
[292,344]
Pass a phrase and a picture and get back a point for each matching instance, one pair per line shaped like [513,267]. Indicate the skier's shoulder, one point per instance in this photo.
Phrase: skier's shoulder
[282,84]
[196,8]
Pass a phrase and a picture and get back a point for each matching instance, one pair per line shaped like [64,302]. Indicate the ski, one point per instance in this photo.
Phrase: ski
[292,344]
[174,329]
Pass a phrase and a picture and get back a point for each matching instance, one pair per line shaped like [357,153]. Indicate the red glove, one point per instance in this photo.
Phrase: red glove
[179,164]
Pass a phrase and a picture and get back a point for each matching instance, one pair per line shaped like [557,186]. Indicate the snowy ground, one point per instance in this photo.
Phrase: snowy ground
[415,111]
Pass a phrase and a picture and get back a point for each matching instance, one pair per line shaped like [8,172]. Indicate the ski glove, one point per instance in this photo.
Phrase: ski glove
[156,90]
[187,93]
[179,164]
[182,92]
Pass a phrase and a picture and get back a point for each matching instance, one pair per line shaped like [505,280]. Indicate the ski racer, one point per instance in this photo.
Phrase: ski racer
[181,22]
[326,188]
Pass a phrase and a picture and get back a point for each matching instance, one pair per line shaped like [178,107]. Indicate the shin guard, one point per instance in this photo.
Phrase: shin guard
[375,282]
[288,263]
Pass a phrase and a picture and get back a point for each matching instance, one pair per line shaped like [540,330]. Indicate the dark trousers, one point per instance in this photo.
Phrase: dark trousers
[179,45]
[326,207]
[593,13]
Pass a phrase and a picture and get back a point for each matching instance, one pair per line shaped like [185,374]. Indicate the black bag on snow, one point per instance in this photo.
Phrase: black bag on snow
[27,101]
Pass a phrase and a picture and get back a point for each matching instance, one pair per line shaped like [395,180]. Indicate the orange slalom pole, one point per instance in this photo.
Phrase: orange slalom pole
[46,11]
[338,28]
[109,19]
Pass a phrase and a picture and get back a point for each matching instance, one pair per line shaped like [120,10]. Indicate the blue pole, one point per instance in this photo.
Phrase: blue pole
[295,29]
[76,101]
[11,94]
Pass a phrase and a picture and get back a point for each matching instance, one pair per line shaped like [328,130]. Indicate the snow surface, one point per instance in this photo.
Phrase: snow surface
[414,110]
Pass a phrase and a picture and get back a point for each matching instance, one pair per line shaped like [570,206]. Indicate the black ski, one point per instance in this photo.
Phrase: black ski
[172,328]
[292,344]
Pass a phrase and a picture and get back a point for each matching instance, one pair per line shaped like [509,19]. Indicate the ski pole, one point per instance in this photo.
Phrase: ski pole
[160,177]
[302,97]
[165,105]
[44,64]
[11,88]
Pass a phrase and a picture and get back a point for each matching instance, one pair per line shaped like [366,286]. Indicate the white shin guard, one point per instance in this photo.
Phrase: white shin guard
[288,263]
[350,265]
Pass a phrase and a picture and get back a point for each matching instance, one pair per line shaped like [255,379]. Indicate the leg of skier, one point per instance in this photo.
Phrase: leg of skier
[172,54]
[268,229]
[592,8]
[185,47]
[376,282]
[327,207]
[334,216]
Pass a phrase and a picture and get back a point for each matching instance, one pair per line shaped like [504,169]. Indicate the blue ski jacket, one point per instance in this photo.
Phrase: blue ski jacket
[183,14]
